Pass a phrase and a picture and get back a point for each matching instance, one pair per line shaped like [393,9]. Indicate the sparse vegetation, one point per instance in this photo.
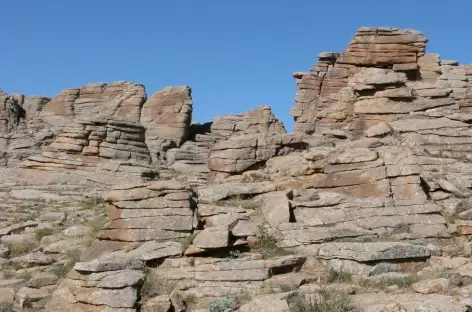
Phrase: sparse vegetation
[40,233]
[268,246]
[287,287]
[400,281]
[222,305]
[187,241]
[6,306]
[155,286]
[61,270]
[19,249]
[191,301]
[95,226]
[25,275]
[325,301]
[334,276]
[93,203]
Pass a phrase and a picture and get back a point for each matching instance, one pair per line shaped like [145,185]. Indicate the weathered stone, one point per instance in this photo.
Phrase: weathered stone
[364,252]
[276,208]
[431,286]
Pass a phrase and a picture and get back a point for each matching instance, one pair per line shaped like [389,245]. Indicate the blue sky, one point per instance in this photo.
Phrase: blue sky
[234,54]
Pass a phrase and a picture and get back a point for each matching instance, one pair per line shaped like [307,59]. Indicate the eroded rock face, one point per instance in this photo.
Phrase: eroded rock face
[119,100]
[383,76]
[158,211]
[167,115]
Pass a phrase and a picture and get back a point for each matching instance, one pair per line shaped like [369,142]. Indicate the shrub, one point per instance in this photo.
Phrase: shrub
[221,305]
[61,270]
[20,249]
[40,233]
[400,281]
[325,301]
[187,241]
[155,286]
[269,246]
[6,306]
[333,276]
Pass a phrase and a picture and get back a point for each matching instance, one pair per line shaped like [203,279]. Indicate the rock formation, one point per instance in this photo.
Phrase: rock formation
[368,204]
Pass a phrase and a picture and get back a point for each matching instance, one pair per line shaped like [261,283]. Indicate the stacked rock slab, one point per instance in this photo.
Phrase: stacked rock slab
[157,211]
[382,76]
[192,156]
[88,145]
[119,100]
[167,115]
[109,283]
[356,194]
[24,134]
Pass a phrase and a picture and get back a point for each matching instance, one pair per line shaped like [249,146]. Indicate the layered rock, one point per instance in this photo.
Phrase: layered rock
[167,115]
[119,100]
[97,145]
[192,156]
[22,133]
[158,211]
[241,153]
[384,75]
[109,283]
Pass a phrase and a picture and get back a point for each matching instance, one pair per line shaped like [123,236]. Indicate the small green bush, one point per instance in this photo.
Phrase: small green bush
[333,276]
[62,270]
[155,286]
[187,241]
[325,301]
[6,306]
[20,249]
[40,233]
[269,246]
[221,305]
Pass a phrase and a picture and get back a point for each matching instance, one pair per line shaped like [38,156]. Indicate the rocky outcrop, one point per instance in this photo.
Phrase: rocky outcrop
[192,156]
[370,195]
[22,133]
[383,76]
[119,100]
[167,115]
[241,153]
[104,145]
[158,211]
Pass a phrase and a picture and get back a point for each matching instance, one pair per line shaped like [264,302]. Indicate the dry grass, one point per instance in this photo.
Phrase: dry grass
[324,301]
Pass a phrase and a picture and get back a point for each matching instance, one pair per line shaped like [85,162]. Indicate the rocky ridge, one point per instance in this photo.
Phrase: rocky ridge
[138,209]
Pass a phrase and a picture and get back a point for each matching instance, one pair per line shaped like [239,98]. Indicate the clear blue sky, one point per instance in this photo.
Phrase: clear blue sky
[234,54]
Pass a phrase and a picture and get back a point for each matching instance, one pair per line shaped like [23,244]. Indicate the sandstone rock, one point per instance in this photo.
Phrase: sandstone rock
[364,252]
[218,192]
[240,153]
[276,208]
[431,286]
[167,116]
[41,280]
[27,295]
[212,237]
[378,130]
[272,303]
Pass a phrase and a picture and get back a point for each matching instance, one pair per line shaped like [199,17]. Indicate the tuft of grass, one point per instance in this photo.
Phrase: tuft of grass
[93,203]
[20,249]
[40,233]
[62,270]
[333,276]
[400,281]
[155,286]
[25,275]
[95,225]
[325,301]
[187,241]
[268,246]
[6,306]
[191,301]
[222,305]
[287,287]
[8,274]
